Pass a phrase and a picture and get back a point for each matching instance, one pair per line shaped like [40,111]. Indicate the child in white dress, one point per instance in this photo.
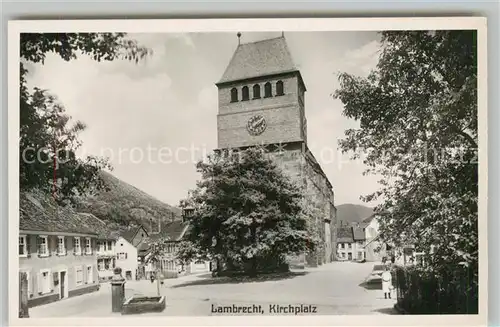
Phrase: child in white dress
[387,282]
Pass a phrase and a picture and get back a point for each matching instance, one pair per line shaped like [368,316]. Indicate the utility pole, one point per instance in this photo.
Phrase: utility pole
[157,277]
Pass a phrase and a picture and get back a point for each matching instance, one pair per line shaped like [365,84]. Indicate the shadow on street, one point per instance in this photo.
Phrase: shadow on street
[371,286]
[209,280]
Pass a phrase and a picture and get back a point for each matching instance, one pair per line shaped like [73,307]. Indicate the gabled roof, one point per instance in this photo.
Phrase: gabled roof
[39,212]
[130,233]
[369,219]
[358,233]
[173,231]
[261,58]
[99,226]
[345,235]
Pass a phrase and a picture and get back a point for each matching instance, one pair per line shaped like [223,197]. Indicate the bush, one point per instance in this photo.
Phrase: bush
[450,291]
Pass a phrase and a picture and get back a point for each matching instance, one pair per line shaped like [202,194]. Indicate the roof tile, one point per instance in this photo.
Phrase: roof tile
[261,58]
[39,212]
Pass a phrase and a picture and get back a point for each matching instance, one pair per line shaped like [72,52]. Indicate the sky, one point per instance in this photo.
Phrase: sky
[155,119]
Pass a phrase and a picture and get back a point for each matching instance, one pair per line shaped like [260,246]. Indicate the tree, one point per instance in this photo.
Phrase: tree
[157,252]
[247,214]
[418,130]
[48,139]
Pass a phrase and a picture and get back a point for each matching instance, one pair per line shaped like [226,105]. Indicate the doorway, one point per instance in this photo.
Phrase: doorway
[349,256]
[63,285]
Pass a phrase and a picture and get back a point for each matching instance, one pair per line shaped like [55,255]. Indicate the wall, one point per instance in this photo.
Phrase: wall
[56,263]
[130,263]
[372,254]
[318,194]
[282,113]
[199,267]
[353,248]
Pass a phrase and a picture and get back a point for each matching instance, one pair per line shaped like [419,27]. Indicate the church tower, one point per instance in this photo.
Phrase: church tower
[261,97]
[261,103]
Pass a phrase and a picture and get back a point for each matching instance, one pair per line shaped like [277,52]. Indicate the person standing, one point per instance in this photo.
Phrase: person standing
[387,282]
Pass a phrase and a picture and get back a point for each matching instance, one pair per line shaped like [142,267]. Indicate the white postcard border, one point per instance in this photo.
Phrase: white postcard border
[254,25]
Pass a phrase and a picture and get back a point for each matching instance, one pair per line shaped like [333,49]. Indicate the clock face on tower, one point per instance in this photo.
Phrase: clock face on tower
[256,125]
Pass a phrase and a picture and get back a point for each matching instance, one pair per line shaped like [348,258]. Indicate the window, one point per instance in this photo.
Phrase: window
[77,248]
[44,282]
[100,264]
[90,277]
[234,95]
[348,245]
[245,95]
[110,246]
[342,246]
[88,246]
[256,91]
[79,275]
[23,246]
[268,90]
[61,245]
[279,88]
[122,256]
[43,246]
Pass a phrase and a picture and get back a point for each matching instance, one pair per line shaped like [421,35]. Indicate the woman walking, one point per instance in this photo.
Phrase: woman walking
[387,282]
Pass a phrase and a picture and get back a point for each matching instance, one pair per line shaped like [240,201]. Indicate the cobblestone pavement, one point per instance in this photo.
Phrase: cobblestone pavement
[333,289]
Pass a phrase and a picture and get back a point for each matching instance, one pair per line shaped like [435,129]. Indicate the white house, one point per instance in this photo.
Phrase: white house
[126,258]
[127,252]
[172,233]
[106,242]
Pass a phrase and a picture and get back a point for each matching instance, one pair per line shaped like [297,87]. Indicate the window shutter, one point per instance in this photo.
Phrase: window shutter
[38,243]
[39,282]
[65,245]
[125,255]
[50,281]
[74,245]
[28,245]
[49,245]
[30,282]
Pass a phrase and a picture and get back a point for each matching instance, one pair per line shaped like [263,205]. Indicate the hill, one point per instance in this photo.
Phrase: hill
[125,205]
[349,213]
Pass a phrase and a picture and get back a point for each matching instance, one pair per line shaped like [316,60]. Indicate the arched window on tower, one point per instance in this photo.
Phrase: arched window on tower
[279,88]
[268,90]
[256,91]
[234,94]
[245,95]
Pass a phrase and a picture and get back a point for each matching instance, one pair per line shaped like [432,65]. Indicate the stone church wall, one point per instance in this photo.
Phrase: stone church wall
[317,193]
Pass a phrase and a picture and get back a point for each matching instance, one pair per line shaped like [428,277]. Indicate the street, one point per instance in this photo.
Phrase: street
[332,289]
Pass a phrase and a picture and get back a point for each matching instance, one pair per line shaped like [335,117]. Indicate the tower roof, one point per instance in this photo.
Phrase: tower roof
[261,58]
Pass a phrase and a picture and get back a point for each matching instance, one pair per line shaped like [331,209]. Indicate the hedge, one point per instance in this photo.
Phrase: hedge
[450,291]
